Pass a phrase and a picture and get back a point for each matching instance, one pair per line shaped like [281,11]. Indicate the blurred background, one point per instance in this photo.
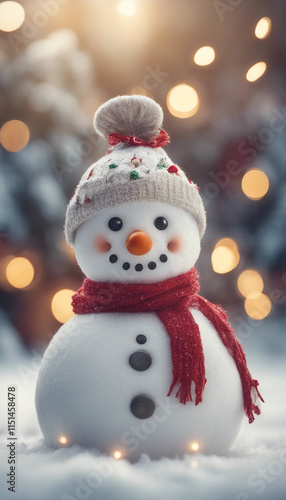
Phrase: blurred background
[218,69]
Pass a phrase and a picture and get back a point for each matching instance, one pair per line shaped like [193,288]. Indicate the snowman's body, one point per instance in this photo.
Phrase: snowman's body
[135,219]
[86,385]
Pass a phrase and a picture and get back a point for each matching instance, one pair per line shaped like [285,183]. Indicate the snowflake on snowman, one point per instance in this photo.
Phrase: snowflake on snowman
[146,365]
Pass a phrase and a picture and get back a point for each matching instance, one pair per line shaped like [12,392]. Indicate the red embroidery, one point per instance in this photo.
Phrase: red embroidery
[90,174]
[173,170]
[159,141]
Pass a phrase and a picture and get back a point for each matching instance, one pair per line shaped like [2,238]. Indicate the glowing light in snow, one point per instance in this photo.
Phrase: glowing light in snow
[194,464]
[62,440]
[195,446]
[117,455]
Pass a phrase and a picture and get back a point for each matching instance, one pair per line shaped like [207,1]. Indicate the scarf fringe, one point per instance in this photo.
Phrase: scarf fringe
[218,317]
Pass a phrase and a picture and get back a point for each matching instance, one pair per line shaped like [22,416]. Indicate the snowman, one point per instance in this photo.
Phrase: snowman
[146,365]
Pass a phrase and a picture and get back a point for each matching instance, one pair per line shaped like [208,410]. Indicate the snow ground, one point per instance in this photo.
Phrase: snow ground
[254,469]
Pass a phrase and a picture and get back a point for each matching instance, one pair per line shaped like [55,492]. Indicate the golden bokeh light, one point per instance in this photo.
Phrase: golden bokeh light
[183,101]
[127,8]
[12,16]
[263,27]
[204,56]
[255,184]
[256,71]
[195,446]
[258,307]
[14,135]
[250,283]
[62,440]
[61,305]
[20,272]
[117,455]
[225,256]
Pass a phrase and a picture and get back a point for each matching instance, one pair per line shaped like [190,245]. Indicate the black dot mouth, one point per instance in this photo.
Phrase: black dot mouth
[113,258]
[163,257]
[152,265]
[138,267]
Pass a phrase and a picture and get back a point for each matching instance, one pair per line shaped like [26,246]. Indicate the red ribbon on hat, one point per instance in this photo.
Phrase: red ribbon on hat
[159,141]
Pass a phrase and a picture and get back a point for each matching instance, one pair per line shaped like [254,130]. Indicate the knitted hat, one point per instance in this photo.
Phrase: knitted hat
[135,168]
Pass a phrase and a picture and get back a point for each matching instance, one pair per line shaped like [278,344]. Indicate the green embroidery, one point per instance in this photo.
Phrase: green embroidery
[161,164]
[113,165]
[134,175]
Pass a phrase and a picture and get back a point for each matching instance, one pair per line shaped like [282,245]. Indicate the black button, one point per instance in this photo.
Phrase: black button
[141,339]
[126,266]
[113,258]
[163,258]
[142,406]
[152,265]
[140,360]
[138,267]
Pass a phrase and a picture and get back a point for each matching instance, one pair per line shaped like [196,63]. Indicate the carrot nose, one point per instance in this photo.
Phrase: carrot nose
[138,243]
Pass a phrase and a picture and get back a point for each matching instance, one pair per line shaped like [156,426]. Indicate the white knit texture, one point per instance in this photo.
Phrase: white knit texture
[129,115]
[109,183]
[131,173]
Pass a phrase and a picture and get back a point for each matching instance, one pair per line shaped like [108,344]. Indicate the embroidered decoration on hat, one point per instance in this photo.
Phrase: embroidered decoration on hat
[173,170]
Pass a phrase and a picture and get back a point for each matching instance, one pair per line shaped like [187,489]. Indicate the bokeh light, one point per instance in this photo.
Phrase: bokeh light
[117,454]
[62,440]
[263,27]
[12,16]
[183,101]
[250,283]
[204,56]
[255,184]
[20,272]
[258,307]
[256,71]
[14,135]
[127,8]
[225,256]
[61,305]
[195,446]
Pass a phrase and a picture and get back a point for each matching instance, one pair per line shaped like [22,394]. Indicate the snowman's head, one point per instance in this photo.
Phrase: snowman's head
[134,215]
[139,242]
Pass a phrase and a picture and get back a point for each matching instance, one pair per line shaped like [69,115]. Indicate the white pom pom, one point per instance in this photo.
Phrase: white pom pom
[129,115]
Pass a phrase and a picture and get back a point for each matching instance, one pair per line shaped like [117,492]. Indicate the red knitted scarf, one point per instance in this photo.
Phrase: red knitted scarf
[171,300]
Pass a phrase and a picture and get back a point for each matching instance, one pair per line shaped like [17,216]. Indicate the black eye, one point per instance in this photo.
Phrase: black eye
[115,224]
[161,223]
